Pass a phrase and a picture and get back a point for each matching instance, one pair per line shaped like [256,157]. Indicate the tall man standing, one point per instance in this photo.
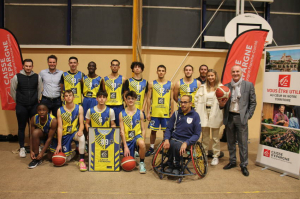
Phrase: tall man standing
[73,80]
[51,79]
[113,84]
[186,85]
[26,89]
[203,73]
[91,86]
[138,85]
[238,109]
[161,103]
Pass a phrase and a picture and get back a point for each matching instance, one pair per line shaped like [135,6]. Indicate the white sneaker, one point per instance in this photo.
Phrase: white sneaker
[22,153]
[214,161]
[71,156]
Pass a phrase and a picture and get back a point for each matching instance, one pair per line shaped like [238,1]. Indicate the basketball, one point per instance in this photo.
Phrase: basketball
[223,92]
[128,163]
[59,159]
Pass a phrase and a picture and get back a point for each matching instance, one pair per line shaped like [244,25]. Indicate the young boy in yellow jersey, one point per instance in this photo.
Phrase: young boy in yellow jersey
[70,128]
[113,84]
[161,103]
[132,129]
[91,86]
[100,115]
[187,85]
[43,126]
[138,85]
[73,80]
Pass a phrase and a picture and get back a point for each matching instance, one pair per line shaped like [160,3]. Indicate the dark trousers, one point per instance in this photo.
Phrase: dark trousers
[174,155]
[235,130]
[24,113]
[52,104]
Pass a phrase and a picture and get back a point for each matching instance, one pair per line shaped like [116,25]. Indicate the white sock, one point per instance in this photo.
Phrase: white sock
[152,146]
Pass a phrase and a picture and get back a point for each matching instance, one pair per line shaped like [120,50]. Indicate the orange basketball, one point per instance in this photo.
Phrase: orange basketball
[128,163]
[223,92]
[59,159]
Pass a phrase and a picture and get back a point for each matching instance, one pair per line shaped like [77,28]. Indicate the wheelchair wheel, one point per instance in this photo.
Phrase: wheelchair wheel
[160,156]
[199,159]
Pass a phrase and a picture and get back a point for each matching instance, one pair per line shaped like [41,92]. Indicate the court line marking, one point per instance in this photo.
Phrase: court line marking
[151,193]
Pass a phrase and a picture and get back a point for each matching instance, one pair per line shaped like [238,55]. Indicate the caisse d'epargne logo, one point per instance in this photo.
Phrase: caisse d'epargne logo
[267,153]
[284,80]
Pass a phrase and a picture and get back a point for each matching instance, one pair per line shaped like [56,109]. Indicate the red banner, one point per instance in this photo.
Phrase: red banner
[245,51]
[11,64]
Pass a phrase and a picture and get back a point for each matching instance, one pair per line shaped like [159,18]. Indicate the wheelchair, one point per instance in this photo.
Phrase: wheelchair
[195,154]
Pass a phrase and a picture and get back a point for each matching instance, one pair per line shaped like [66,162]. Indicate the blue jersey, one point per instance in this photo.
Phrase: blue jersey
[46,127]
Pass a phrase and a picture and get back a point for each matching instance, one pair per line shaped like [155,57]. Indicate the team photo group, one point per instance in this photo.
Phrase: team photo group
[62,106]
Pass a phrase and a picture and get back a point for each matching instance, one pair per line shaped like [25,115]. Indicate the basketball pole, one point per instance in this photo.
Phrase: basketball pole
[197,39]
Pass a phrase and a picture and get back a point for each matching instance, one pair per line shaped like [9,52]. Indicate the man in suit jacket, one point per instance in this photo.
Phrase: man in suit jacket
[238,109]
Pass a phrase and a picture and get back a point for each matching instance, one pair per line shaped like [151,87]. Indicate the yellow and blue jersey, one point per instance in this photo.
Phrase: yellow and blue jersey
[105,150]
[114,88]
[100,119]
[188,89]
[73,82]
[132,124]
[46,127]
[91,86]
[70,120]
[140,88]
[161,99]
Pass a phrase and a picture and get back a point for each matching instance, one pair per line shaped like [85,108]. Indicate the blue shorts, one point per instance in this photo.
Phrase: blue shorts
[132,145]
[87,104]
[65,142]
[117,109]
[158,121]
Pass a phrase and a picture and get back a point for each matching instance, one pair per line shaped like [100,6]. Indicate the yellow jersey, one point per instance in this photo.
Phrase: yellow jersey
[140,88]
[70,120]
[105,155]
[114,88]
[132,124]
[91,86]
[73,82]
[161,99]
[188,89]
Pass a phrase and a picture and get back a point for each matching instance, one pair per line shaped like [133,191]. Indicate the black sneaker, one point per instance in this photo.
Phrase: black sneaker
[34,163]
[150,152]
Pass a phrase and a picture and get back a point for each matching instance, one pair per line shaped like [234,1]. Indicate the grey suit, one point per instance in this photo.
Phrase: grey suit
[237,124]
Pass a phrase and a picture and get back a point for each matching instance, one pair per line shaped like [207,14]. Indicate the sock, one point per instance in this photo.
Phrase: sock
[152,146]
[81,156]
[141,160]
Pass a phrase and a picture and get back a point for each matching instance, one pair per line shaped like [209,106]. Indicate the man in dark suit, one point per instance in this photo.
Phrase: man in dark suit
[238,109]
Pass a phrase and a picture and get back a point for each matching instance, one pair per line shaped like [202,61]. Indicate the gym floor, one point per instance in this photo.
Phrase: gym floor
[47,181]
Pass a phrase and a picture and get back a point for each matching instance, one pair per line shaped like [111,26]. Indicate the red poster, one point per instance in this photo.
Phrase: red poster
[245,51]
[11,64]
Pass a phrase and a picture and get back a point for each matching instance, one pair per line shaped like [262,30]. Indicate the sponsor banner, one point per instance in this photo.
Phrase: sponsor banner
[280,130]
[279,159]
[11,64]
[246,51]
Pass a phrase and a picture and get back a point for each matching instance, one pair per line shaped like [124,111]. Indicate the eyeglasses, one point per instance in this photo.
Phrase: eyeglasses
[183,102]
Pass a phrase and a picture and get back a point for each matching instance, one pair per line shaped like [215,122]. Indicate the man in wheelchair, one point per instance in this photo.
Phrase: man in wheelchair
[183,130]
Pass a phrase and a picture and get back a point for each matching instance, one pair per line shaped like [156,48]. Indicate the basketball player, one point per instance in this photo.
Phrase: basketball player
[72,80]
[91,86]
[138,85]
[161,103]
[100,115]
[113,84]
[132,129]
[70,127]
[43,126]
[187,85]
